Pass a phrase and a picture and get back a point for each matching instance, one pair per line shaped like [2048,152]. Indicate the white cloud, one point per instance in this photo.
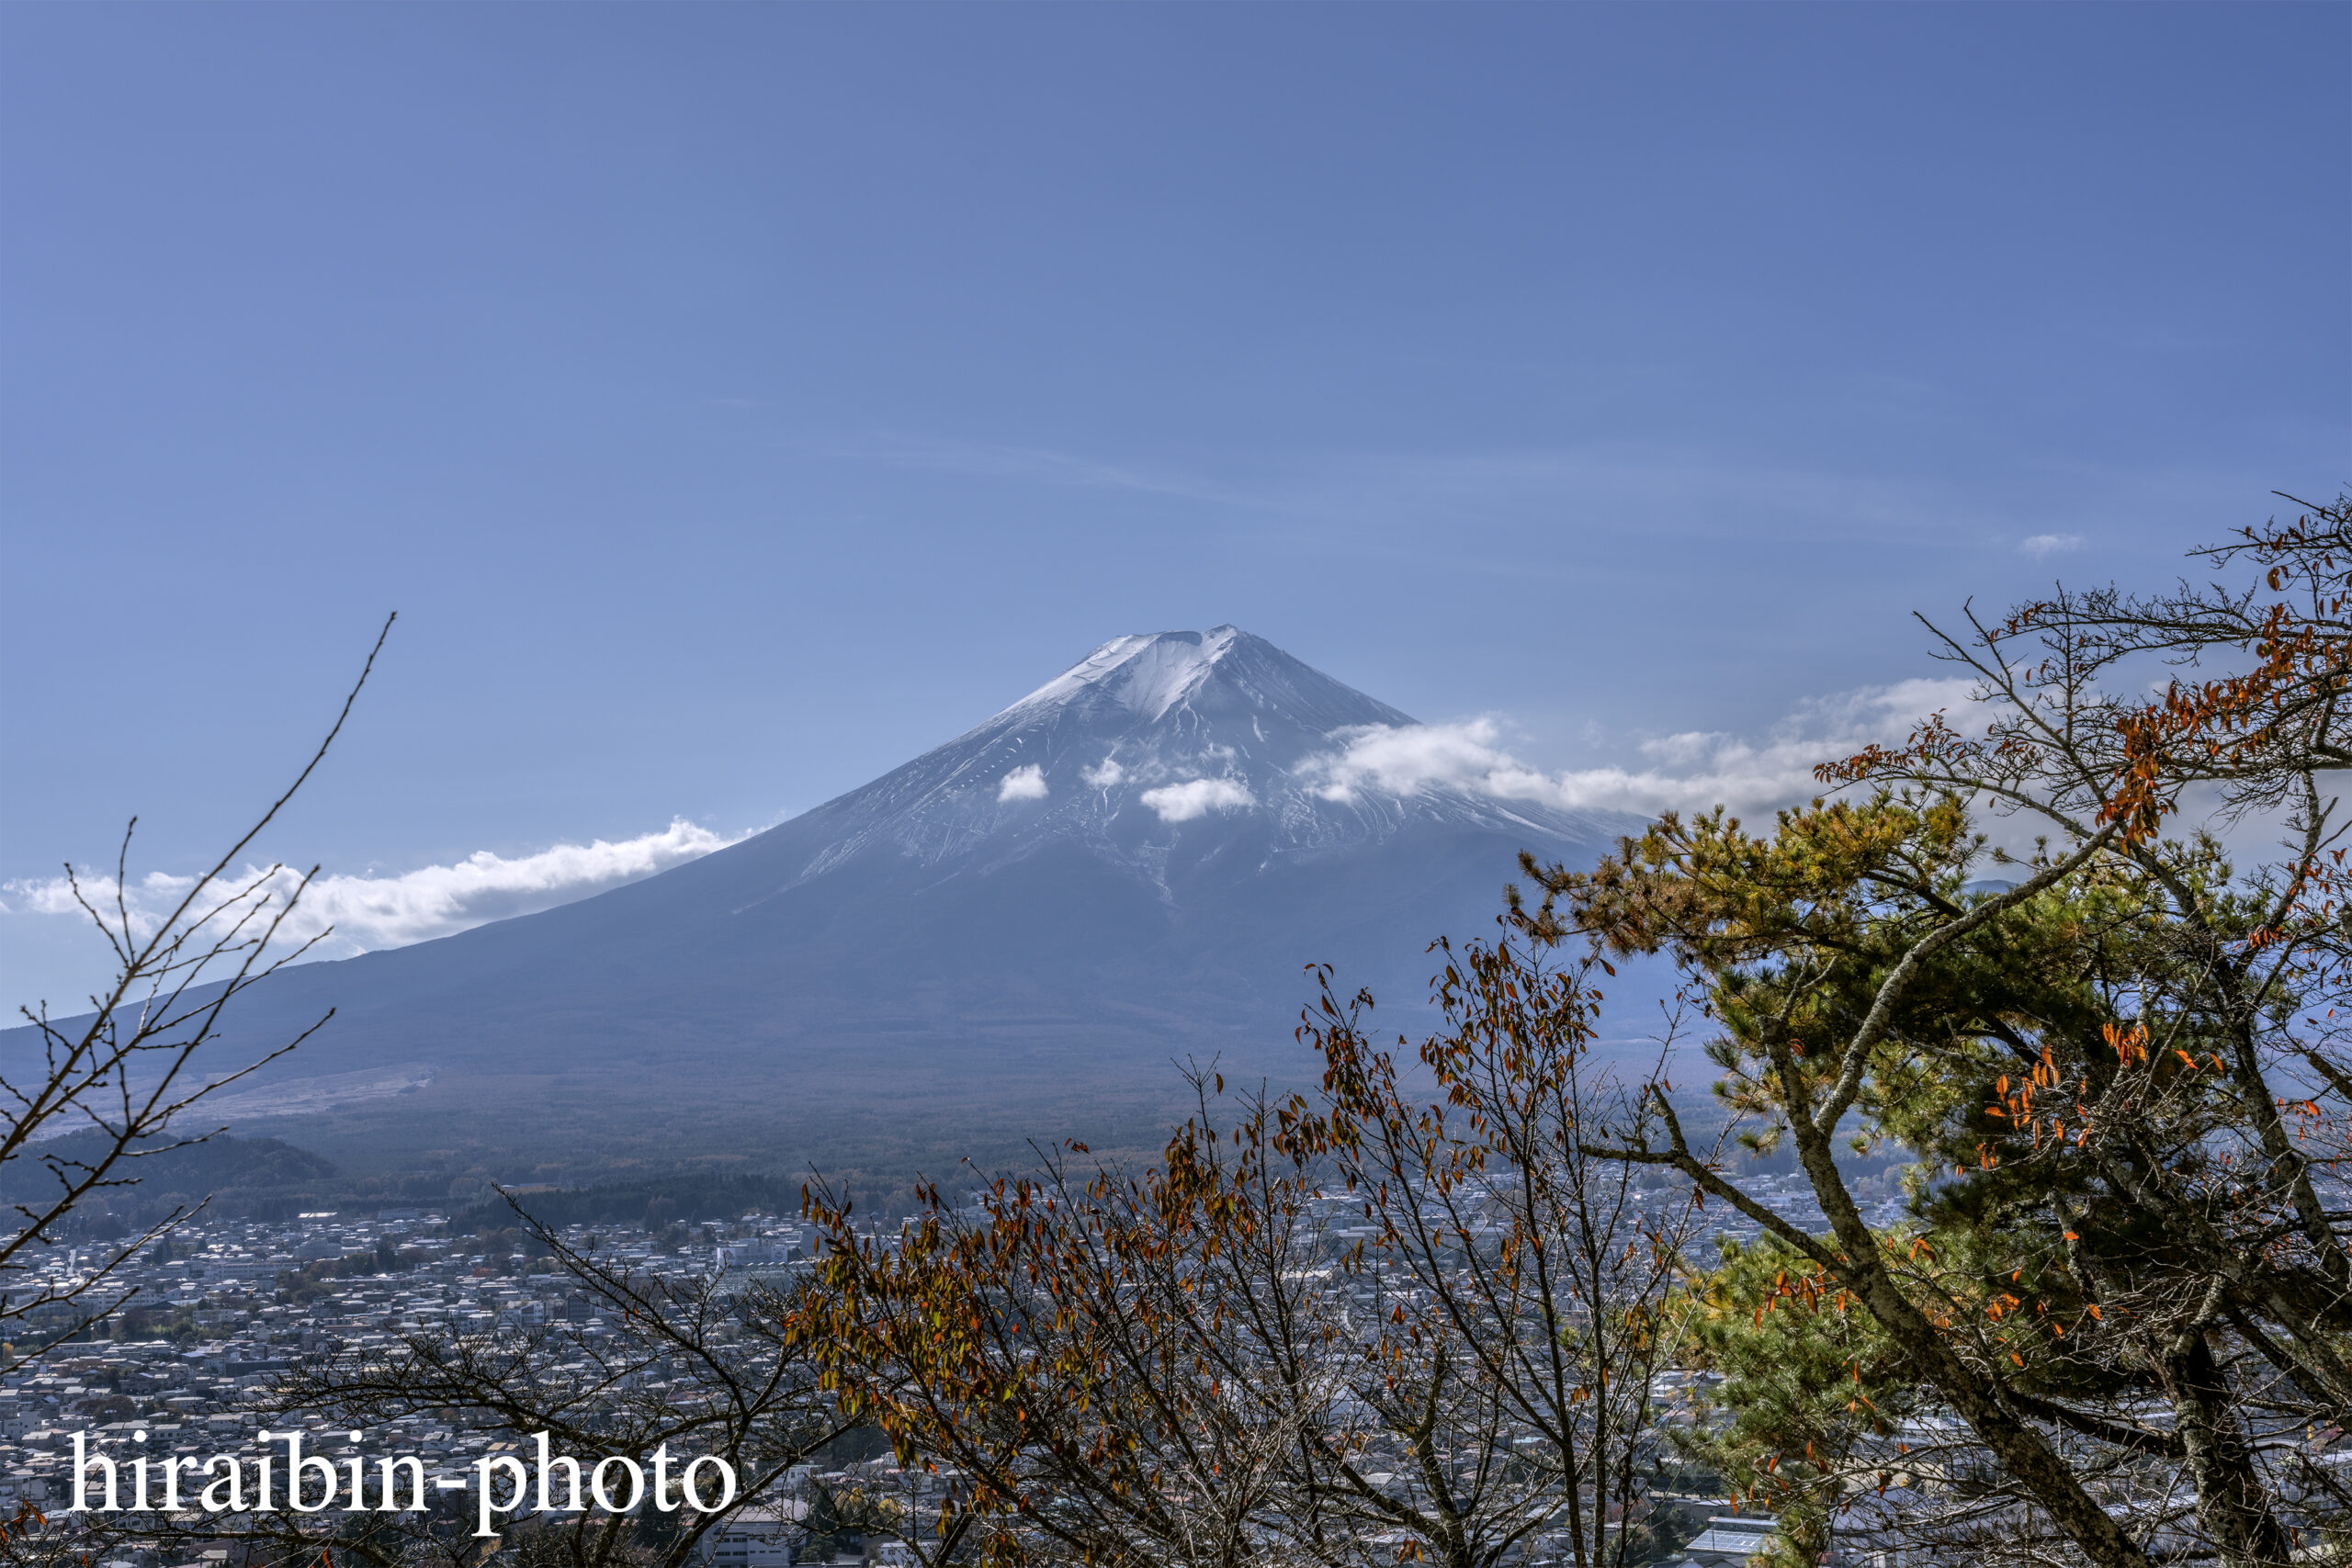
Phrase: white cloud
[2042,546]
[1197,797]
[1023,784]
[1692,770]
[369,912]
[1105,775]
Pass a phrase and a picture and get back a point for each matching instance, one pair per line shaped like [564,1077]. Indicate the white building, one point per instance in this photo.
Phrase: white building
[766,1535]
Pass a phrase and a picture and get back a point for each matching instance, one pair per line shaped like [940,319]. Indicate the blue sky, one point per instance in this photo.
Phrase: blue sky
[736,400]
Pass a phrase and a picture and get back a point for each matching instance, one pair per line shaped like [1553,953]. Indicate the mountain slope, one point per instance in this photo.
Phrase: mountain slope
[1010,936]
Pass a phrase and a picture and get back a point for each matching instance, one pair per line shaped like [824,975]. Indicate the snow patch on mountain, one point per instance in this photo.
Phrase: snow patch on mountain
[1145,673]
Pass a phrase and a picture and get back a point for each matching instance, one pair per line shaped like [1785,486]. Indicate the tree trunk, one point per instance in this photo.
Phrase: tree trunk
[2020,1447]
[2232,1503]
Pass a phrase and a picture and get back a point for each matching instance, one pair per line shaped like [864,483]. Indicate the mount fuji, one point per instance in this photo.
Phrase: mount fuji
[1009,937]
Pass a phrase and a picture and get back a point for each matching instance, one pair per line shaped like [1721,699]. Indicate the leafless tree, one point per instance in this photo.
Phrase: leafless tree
[126,1076]
[1532,1280]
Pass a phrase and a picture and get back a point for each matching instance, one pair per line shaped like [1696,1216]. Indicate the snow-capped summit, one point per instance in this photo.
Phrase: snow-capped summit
[1148,741]
[1023,925]
[1147,674]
